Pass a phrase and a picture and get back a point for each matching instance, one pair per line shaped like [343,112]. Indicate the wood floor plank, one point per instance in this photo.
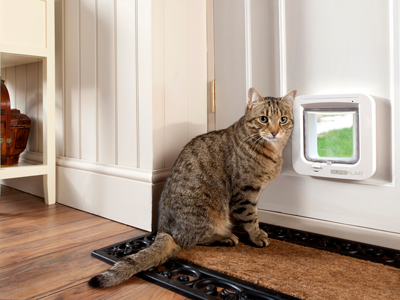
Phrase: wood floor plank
[17,196]
[39,220]
[16,208]
[48,274]
[7,192]
[34,244]
[135,288]
[4,189]
[10,192]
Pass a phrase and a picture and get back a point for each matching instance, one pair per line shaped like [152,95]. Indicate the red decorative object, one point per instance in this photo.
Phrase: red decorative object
[15,129]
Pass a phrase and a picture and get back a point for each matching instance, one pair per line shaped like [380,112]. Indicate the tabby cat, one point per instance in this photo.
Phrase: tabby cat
[215,182]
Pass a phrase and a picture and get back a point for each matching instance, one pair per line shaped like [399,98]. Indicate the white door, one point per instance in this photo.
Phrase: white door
[316,47]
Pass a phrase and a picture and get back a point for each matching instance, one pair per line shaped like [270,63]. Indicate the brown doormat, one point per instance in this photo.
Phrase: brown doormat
[300,271]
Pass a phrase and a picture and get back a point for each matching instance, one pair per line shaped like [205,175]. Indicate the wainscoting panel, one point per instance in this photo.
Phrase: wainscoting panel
[104,120]
[98,57]
[264,54]
[72,78]
[88,80]
[176,78]
[106,81]
[126,83]
[197,70]
[144,116]
[230,61]
[180,77]
[59,57]
[158,85]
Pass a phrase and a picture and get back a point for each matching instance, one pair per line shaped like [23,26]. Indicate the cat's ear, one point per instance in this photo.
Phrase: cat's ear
[254,97]
[289,97]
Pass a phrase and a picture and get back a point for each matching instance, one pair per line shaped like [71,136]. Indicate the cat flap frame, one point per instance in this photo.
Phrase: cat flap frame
[305,159]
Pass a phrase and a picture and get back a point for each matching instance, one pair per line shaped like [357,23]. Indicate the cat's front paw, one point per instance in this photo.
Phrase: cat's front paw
[261,240]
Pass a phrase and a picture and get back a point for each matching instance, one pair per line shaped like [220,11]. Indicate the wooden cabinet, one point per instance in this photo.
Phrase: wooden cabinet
[27,35]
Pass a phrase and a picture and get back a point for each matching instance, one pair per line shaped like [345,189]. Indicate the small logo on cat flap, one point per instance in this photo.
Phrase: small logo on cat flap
[344,172]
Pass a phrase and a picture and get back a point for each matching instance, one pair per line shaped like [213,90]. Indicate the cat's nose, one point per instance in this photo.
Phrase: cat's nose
[274,133]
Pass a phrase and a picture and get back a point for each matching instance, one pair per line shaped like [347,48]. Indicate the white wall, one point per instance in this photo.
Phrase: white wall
[230,61]
[343,47]
[131,91]
[242,59]
[179,77]
[263,50]
[331,47]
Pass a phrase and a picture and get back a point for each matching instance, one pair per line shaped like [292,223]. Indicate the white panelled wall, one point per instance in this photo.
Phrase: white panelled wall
[338,47]
[317,47]
[131,91]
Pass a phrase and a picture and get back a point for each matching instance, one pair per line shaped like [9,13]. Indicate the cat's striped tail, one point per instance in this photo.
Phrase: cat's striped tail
[163,248]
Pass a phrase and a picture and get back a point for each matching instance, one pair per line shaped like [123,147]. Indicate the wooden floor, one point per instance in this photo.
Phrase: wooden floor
[45,252]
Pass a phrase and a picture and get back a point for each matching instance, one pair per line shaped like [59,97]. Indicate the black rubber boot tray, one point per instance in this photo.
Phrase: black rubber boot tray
[188,279]
[196,282]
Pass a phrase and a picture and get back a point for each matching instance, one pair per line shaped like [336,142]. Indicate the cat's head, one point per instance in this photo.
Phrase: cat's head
[271,117]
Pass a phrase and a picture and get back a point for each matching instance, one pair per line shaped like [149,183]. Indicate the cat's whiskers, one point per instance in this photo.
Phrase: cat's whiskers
[290,140]
[256,143]
[247,138]
[260,143]
[253,144]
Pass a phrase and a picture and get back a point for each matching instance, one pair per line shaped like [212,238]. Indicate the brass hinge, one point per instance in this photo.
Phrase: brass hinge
[212,89]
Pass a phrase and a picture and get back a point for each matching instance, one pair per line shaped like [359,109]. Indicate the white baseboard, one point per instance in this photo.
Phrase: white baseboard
[119,199]
[123,194]
[354,233]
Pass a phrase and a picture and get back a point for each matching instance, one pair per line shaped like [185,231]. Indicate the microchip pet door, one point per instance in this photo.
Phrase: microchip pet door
[335,136]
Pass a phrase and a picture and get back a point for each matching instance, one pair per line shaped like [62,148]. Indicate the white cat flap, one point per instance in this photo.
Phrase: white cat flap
[344,136]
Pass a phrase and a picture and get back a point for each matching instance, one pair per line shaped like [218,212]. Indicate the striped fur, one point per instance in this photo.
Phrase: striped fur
[215,183]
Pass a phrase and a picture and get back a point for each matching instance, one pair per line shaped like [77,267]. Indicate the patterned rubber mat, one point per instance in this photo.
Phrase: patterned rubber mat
[197,282]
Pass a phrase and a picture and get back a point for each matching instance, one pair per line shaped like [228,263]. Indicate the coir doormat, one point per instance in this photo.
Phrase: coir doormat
[283,270]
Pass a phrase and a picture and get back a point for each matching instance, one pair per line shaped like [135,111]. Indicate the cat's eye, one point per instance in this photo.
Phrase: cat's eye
[263,119]
[283,120]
